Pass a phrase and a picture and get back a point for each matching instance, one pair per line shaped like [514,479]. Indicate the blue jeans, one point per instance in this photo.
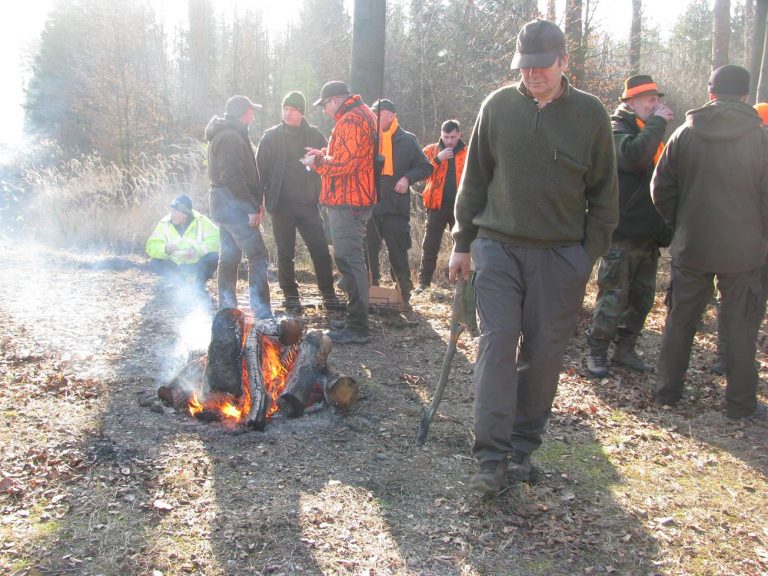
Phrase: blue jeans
[238,238]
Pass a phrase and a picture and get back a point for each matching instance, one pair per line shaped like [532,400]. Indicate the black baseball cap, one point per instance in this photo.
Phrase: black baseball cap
[239,105]
[384,104]
[183,204]
[539,43]
[331,89]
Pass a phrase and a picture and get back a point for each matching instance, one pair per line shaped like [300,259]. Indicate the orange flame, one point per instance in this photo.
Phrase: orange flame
[274,366]
[274,370]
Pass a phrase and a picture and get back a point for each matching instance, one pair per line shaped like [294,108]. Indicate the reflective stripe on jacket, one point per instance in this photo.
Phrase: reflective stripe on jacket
[202,235]
[433,191]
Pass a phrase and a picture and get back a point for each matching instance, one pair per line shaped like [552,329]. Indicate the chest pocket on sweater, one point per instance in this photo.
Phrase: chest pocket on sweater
[567,181]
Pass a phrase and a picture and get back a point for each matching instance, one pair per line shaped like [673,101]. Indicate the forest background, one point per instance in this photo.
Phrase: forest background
[117,99]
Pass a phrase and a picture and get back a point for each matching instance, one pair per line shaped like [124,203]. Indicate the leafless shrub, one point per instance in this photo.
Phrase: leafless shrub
[87,202]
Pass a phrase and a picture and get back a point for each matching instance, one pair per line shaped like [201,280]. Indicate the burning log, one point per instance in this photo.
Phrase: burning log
[180,390]
[254,369]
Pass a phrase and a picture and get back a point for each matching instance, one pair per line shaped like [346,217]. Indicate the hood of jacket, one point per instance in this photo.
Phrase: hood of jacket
[723,120]
[218,123]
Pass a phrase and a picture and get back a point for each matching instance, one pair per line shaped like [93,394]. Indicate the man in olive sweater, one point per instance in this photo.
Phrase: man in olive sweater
[538,203]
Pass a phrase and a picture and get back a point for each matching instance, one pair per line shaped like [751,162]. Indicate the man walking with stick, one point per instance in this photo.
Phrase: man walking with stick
[537,205]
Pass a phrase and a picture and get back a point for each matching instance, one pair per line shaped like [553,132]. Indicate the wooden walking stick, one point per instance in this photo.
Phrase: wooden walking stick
[462,316]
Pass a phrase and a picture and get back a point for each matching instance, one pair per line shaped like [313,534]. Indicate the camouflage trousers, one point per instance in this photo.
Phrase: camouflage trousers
[626,280]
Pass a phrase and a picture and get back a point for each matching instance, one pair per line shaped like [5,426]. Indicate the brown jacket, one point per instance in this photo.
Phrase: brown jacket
[711,186]
[347,170]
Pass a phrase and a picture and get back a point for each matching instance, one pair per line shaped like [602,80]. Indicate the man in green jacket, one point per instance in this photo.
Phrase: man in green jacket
[538,203]
[711,185]
[626,276]
[184,245]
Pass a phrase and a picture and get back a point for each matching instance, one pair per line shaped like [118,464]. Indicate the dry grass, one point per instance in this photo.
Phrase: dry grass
[86,202]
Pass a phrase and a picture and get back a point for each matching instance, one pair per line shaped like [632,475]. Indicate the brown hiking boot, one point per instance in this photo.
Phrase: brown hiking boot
[520,468]
[624,354]
[490,479]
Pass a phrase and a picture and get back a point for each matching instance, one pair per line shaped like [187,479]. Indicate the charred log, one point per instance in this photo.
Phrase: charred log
[230,331]
[304,384]
[254,379]
[179,391]
[225,353]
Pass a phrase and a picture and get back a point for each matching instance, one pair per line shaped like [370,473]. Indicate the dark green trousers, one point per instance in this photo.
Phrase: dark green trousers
[740,310]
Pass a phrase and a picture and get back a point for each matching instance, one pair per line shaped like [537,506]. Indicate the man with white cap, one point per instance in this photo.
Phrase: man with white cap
[537,204]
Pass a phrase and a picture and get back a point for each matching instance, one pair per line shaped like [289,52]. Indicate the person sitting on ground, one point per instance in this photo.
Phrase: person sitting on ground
[184,246]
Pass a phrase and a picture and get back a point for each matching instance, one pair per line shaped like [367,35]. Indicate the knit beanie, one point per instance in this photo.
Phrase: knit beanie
[729,79]
[296,100]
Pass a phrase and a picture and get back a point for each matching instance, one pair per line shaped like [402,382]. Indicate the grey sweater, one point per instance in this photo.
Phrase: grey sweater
[539,178]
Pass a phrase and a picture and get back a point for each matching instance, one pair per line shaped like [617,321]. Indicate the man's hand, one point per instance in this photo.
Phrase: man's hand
[664,111]
[170,248]
[254,220]
[402,185]
[313,157]
[459,266]
[445,154]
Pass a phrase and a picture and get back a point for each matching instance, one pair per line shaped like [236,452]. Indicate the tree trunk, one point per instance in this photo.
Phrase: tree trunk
[551,14]
[762,85]
[758,43]
[721,32]
[576,45]
[635,37]
[368,26]
[200,44]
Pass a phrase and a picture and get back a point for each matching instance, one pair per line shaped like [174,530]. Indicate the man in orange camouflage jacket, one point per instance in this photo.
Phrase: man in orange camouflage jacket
[348,193]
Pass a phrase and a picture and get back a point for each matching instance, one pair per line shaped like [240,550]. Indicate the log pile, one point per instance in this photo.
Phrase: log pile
[253,369]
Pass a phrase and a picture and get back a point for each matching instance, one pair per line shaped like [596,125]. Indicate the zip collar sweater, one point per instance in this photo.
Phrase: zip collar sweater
[539,178]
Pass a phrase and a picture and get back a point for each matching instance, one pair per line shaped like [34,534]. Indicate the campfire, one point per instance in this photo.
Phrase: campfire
[255,369]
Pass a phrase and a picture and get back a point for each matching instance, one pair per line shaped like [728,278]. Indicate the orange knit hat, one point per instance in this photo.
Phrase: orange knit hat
[762,110]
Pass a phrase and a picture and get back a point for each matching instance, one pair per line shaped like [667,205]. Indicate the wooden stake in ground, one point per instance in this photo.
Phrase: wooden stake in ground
[462,315]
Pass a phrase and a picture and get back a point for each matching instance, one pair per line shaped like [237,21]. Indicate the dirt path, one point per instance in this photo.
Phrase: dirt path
[92,482]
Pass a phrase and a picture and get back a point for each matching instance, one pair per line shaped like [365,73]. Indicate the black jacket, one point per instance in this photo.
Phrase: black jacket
[635,150]
[272,162]
[235,187]
[409,161]
[711,184]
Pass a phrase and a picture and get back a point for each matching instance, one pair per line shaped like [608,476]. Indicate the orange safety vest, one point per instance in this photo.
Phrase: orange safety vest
[433,191]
